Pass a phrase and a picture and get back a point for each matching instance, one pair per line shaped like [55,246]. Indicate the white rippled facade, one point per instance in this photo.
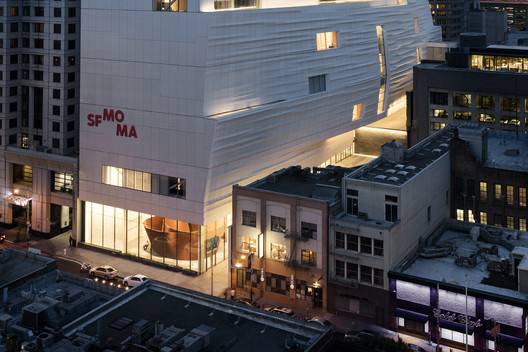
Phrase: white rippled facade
[221,97]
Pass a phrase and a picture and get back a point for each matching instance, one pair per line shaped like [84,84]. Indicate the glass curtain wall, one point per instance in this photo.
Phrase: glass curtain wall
[154,238]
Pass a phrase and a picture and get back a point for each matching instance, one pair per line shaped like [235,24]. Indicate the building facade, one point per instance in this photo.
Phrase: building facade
[280,237]
[390,205]
[451,15]
[515,10]
[489,177]
[39,107]
[458,273]
[179,104]
[483,85]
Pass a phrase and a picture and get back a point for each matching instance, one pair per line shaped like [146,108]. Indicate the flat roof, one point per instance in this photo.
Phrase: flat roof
[387,171]
[437,261]
[17,265]
[317,183]
[233,327]
[507,150]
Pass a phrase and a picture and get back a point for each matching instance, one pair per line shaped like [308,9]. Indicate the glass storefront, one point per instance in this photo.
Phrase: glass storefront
[154,238]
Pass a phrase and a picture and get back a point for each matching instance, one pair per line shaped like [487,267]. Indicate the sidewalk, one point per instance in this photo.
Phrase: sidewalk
[59,246]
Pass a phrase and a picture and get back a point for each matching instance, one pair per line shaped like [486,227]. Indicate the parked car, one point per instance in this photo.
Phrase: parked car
[416,348]
[2,238]
[134,280]
[280,310]
[359,335]
[321,322]
[104,272]
[246,302]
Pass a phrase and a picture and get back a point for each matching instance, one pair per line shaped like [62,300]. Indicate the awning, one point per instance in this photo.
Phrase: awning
[453,325]
[506,339]
[408,314]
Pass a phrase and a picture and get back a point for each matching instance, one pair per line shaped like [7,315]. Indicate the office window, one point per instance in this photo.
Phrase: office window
[13,91]
[72,12]
[278,224]
[486,118]
[483,188]
[55,143]
[13,43]
[366,245]
[462,100]
[71,93]
[498,191]
[509,104]
[326,40]
[70,142]
[483,218]
[471,217]
[56,77]
[308,257]
[462,115]
[70,126]
[13,11]
[71,44]
[12,139]
[38,43]
[317,84]
[55,126]
[352,243]
[38,27]
[510,222]
[522,197]
[38,75]
[339,268]
[509,195]
[308,230]
[56,110]
[497,220]
[522,224]
[26,11]
[366,274]
[71,77]
[39,11]
[70,110]
[378,276]
[460,214]
[485,102]
[391,208]
[249,218]
[38,59]
[57,28]
[352,271]
[56,61]
[24,141]
[22,173]
[72,28]
[71,60]
[56,45]
[352,201]
[13,27]
[339,240]
[440,114]
[12,123]
[57,12]
[13,106]
[378,248]
[56,93]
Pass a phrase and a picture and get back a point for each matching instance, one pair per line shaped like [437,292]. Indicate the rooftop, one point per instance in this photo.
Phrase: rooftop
[479,256]
[212,323]
[397,165]
[507,150]
[317,183]
[18,265]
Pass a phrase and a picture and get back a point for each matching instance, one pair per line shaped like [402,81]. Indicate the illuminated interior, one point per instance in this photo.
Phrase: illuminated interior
[154,238]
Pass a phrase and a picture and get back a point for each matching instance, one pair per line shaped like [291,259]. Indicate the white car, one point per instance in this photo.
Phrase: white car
[134,280]
[104,272]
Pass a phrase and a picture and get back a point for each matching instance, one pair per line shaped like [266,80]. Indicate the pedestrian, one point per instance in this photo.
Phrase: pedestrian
[71,241]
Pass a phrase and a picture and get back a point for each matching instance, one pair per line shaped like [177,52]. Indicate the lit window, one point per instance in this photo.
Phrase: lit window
[510,222]
[308,257]
[440,113]
[522,224]
[462,100]
[522,196]
[62,182]
[509,195]
[171,5]
[487,118]
[383,69]
[471,218]
[460,214]
[401,322]
[279,252]
[357,112]
[326,40]
[498,192]
[483,191]
[483,218]
[418,55]
[456,336]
